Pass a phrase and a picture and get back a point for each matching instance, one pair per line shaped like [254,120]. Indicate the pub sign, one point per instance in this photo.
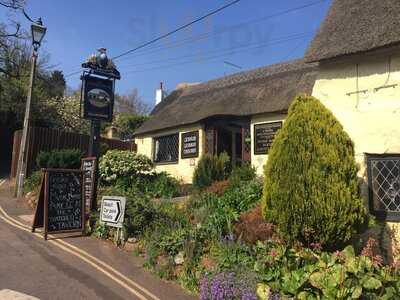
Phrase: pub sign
[190,144]
[264,135]
[98,98]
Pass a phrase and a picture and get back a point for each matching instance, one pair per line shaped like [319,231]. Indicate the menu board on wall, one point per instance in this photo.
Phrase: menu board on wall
[190,144]
[264,135]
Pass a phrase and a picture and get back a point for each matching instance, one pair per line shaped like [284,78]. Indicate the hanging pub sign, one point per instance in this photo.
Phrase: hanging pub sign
[190,144]
[264,135]
[98,98]
[60,208]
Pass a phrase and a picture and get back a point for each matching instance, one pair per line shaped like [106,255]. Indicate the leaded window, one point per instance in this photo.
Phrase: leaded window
[384,185]
[166,148]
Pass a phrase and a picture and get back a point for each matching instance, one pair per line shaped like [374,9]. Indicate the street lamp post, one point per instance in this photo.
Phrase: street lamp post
[38,31]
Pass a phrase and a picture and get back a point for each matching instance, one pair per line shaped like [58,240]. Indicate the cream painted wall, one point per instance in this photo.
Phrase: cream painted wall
[258,161]
[371,118]
[183,169]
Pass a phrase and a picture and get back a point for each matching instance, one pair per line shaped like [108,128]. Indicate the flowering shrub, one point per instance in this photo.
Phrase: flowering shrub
[225,286]
[252,226]
[119,164]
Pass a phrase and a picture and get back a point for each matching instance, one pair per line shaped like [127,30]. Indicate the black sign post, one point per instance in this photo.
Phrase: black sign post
[97,100]
[264,135]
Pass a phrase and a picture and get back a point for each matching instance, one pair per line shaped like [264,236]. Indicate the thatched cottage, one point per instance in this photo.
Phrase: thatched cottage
[352,66]
[236,114]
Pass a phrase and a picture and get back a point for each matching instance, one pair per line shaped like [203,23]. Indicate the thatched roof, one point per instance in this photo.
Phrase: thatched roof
[263,90]
[356,26]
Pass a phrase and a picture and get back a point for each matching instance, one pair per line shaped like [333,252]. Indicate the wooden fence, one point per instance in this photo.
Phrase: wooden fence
[45,139]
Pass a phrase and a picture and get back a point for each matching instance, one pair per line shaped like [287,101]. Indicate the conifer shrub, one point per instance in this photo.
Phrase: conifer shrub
[211,168]
[311,189]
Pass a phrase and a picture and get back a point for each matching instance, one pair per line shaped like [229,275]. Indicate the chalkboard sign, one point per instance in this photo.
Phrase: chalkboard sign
[264,135]
[190,144]
[89,172]
[62,202]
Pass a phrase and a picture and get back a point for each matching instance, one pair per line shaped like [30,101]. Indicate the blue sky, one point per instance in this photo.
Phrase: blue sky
[242,34]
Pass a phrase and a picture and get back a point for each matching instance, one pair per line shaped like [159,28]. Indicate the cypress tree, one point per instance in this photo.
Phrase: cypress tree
[311,189]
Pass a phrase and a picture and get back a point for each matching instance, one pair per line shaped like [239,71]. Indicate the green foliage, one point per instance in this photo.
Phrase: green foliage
[127,123]
[32,183]
[210,169]
[116,164]
[64,159]
[306,274]
[219,213]
[140,213]
[130,171]
[15,63]
[66,113]
[311,189]
[163,186]
[243,173]
[233,256]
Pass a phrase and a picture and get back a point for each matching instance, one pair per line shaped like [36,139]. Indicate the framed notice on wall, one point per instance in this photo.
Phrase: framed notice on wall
[190,144]
[264,135]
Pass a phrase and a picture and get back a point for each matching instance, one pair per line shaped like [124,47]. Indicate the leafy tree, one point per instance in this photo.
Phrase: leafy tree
[311,188]
[127,123]
[65,114]
[55,84]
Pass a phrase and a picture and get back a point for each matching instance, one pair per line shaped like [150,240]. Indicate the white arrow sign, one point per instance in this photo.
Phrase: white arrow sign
[112,210]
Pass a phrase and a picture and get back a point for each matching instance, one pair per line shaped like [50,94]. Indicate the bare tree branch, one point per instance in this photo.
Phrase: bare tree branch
[15,34]
[13,4]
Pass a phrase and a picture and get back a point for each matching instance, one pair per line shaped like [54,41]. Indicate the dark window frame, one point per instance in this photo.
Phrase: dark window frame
[383,215]
[175,160]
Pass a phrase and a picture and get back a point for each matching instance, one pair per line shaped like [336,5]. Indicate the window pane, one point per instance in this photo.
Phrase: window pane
[166,148]
[384,173]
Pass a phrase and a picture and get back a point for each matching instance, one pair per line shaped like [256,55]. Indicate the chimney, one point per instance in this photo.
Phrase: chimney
[160,94]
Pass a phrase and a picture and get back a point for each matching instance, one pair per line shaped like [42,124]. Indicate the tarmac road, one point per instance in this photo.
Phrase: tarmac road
[75,268]
[39,269]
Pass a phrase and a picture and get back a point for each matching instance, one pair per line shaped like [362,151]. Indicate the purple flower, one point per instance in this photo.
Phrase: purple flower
[225,286]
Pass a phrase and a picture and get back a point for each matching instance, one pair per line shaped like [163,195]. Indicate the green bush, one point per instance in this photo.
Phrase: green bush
[139,214]
[61,159]
[32,183]
[243,173]
[115,164]
[311,188]
[162,185]
[223,211]
[211,168]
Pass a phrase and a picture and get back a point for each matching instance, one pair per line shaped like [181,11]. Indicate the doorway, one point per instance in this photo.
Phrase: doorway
[229,136]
